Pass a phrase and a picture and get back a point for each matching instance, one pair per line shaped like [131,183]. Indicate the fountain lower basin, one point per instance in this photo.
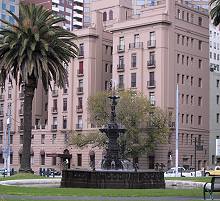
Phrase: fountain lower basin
[112,179]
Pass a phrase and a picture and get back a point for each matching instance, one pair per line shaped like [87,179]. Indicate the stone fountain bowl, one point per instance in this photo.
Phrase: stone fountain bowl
[112,179]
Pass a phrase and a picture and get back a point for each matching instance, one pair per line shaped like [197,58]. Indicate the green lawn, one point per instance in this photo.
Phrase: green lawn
[14,190]
[22,176]
[196,179]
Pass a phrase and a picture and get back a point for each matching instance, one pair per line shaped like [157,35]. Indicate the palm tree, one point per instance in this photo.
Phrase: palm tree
[34,48]
[215,11]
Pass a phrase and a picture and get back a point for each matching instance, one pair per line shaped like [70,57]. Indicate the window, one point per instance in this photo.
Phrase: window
[183,15]
[42,157]
[187,99]
[183,77]
[104,16]
[133,79]
[199,101]
[80,122]
[217,83]
[187,60]
[217,118]
[133,60]
[121,61]
[217,99]
[64,122]
[54,136]
[200,21]
[110,15]
[54,123]
[121,41]
[200,45]
[1,139]
[200,82]
[178,38]
[106,85]
[192,81]
[79,159]
[200,63]
[121,81]
[42,138]
[183,59]
[21,139]
[152,81]
[192,40]
[178,58]
[187,17]
[55,105]
[9,92]
[80,68]
[178,14]
[191,119]
[192,18]
[54,161]
[152,58]
[183,38]
[81,49]
[152,98]
[106,68]
[152,36]
[199,120]
[178,78]
[136,38]
[1,125]
[65,104]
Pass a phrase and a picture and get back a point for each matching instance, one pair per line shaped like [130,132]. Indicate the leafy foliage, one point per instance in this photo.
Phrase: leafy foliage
[215,11]
[35,46]
[145,125]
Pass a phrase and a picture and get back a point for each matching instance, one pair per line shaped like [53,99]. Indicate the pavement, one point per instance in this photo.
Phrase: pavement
[56,183]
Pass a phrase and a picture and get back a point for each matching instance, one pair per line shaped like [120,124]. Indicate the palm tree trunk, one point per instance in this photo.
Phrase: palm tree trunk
[28,99]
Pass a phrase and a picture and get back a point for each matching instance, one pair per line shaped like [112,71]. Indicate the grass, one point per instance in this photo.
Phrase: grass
[195,179]
[15,190]
[22,176]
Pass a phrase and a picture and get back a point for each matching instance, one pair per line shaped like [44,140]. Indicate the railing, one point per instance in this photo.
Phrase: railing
[54,93]
[80,73]
[151,84]
[79,109]
[80,90]
[121,48]
[151,63]
[136,45]
[120,67]
[54,110]
[79,126]
[151,43]
[54,127]
[81,53]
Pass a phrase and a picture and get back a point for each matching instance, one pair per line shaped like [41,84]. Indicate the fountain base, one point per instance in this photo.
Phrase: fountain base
[112,179]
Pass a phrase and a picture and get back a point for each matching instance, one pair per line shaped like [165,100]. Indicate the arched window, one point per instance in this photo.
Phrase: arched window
[110,15]
[104,16]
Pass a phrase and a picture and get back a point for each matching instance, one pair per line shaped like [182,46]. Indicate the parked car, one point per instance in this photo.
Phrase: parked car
[213,171]
[182,172]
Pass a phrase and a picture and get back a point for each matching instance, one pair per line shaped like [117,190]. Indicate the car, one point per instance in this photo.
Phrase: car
[213,171]
[182,172]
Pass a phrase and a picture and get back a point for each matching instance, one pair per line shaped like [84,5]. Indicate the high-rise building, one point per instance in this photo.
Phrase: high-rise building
[8,5]
[71,10]
[201,3]
[166,45]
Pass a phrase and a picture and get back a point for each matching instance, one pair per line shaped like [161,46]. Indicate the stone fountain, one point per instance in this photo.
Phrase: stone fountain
[112,174]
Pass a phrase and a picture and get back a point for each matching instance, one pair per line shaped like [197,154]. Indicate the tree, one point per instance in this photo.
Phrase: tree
[145,125]
[215,11]
[34,48]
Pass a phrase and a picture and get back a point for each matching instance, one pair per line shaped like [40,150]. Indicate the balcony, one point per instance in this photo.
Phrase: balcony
[79,126]
[78,8]
[80,73]
[121,68]
[80,90]
[77,15]
[121,48]
[21,127]
[151,43]
[151,84]
[81,53]
[78,1]
[136,45]
[1,113]
[54,110]
[121,86]
[21,111]
[79,109]
[54,93]
[2,97]
[151,63]
[54,127]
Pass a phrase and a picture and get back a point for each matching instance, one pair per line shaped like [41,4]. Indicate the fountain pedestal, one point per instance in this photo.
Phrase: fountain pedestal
[112,174]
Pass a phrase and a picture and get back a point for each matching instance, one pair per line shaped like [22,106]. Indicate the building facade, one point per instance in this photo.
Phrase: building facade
[153,54]
[71,10]
[166,45]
